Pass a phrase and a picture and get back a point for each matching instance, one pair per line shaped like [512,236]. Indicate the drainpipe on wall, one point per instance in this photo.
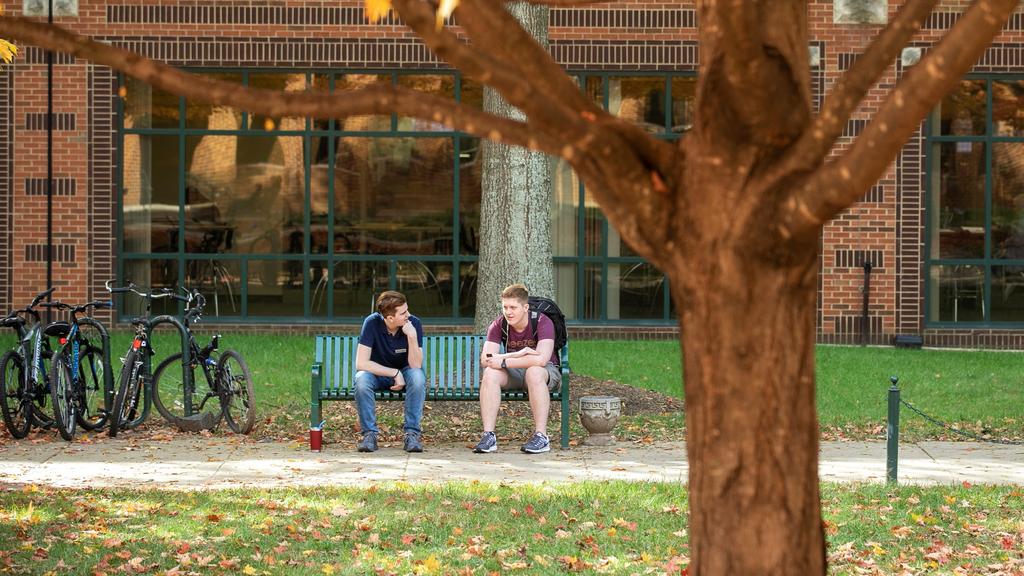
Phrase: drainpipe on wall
[49,163]
[865,322]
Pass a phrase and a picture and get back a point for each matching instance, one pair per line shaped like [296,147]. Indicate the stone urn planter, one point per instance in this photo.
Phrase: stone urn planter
[599,415]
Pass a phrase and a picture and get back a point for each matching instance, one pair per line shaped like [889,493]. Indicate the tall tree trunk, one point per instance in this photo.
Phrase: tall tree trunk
[515,210]
[752,431]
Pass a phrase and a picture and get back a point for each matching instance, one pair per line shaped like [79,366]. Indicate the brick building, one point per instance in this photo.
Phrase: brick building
[284,222]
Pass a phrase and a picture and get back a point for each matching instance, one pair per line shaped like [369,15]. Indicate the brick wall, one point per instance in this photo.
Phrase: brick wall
[885,228]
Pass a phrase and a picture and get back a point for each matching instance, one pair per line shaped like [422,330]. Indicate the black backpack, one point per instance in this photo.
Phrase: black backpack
[547,307]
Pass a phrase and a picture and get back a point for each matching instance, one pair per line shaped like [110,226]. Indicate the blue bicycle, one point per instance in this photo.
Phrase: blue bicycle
[81,387]
[24,381]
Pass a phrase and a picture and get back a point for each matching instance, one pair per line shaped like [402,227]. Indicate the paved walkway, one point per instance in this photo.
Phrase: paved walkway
[191,462]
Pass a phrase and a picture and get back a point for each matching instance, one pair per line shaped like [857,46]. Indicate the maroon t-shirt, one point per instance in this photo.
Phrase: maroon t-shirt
[525,339]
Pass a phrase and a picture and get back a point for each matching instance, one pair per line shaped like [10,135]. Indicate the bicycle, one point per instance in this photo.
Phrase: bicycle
[135,381]
[24,392]
[81,385]
[227,377]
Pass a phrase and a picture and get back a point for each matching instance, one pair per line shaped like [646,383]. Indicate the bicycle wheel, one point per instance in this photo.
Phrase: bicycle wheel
[39,390]
[237,398]
[125,414]
[89,397]
[62,391]
[17,407]
[169,391]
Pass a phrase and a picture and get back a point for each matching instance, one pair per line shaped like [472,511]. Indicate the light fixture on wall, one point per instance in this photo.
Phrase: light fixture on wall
[41,8]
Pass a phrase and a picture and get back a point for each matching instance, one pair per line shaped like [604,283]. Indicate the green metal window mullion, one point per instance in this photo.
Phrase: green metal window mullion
[987,277]
[581,215]
[307,242]
[119,195]
[394,116]
[329,300]
[181,212]
[244,290]
[668,104]
[456,222]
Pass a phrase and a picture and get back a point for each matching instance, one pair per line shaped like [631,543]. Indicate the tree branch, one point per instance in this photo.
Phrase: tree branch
[376,99]
[839,184]
[814,144]
[420,17]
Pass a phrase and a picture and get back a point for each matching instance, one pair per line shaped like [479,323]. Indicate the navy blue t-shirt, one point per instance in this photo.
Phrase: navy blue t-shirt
[385,349]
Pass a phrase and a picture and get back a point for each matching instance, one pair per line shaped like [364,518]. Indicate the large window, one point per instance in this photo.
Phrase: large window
[975,150]
[283,219]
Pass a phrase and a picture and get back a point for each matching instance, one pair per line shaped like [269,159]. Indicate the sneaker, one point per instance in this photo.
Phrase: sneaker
[536,444]
[488,443]
[368,443]
[413,442]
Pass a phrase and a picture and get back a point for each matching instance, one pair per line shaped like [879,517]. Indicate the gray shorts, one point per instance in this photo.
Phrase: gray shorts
[517,377]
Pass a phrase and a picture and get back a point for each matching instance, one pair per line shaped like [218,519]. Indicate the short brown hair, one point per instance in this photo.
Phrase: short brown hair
[389,301]
[517,291]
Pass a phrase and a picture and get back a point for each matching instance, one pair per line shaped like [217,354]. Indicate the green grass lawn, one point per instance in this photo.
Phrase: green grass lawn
[981,391]
[478,528]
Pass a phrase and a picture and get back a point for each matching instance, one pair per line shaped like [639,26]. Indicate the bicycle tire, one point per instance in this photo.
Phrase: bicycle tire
[40,394]
[16,406]
[126,400]
[62,392]
[237,394]
[169,392]
[90,395]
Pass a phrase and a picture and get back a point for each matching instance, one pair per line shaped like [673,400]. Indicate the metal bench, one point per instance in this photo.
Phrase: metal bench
[451,364]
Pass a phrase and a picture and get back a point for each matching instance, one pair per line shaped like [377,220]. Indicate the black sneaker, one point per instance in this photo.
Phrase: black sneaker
[536,444]
[413,442]
[488,443]
[368,443]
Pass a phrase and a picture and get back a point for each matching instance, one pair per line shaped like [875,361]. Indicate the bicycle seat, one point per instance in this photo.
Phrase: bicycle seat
[57,330]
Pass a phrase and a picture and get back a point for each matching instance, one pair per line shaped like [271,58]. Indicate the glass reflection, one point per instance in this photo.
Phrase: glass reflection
[150,193]
[635,291]
[467,289]
[565,289]
[148,107]
[393,196]
[640,100]
[220,282]
[684,96]
[427,286]
[154,273]
[1008,200]
[356,285]
[1008,108]
[214,117]
[272,291]
[294,82]
[957,293]
[958,200]
[962,111]
[470,192]
[442,85]
[244,194]
[566,198]
[365,123]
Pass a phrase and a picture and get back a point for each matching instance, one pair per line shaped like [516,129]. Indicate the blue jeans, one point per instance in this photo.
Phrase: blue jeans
[366,405]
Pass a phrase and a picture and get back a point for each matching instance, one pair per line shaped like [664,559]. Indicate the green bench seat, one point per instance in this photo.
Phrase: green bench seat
[451,364]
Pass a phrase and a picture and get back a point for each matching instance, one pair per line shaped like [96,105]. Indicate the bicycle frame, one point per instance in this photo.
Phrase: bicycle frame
[74,340]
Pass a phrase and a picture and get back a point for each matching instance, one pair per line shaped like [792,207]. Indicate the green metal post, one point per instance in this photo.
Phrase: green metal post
[315,415]
[892,449]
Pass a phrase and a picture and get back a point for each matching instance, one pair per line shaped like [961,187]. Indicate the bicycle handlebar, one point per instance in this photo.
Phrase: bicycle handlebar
[80,308]
[150,295]
[39,297]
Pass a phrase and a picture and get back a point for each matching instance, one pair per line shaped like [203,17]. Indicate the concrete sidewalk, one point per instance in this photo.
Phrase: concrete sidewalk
[196,462]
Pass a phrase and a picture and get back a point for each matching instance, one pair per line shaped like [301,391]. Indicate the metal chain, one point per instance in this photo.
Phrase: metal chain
[942,424]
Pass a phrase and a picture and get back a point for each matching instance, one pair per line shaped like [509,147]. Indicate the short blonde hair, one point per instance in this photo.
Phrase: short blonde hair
[517,291]
[389,301]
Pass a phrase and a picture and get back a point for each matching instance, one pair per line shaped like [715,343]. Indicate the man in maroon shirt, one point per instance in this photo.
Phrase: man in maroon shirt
[519,354]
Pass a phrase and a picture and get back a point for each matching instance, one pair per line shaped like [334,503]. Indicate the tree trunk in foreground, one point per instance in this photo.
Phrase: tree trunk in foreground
[752,431]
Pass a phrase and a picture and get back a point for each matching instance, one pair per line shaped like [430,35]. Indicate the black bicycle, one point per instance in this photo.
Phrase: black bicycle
[180,397]
[134,389]
[24,380]
[81,385]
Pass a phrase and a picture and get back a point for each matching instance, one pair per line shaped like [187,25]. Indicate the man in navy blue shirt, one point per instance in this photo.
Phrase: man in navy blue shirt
[390,356]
